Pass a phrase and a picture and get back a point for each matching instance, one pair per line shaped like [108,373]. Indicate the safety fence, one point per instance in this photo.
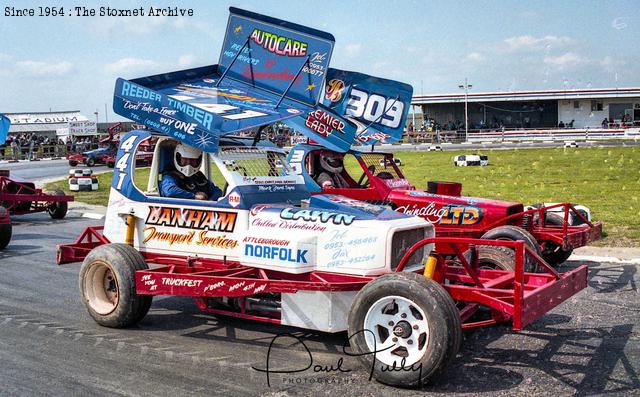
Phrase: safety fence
[520,134]
[554,134]
[39,152]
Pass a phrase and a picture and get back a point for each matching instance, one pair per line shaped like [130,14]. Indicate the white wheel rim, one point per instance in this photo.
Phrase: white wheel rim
[396,328]
[101,288]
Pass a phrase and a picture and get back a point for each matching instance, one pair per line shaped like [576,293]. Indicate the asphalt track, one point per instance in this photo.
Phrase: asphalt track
[37,170]
[49,345]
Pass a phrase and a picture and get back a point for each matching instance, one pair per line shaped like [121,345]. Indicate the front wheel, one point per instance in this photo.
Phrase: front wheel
[406,327]
[73,163]
[108,286]
[554,254]
[58,209]
[90,162]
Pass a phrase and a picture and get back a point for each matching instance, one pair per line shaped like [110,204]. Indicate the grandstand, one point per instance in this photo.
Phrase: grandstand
[602,112]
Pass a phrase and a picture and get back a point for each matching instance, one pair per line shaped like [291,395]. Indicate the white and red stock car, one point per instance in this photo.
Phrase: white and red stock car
[269,251]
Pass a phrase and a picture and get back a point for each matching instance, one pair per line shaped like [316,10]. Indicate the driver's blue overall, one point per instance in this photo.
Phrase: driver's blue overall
[176,185]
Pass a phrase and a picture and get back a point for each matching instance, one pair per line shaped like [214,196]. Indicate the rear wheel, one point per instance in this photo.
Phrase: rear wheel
[108,286]
[73,163]
[14,188]
[492,257]
[409,321]
[5,233]
[58,209]
[90,162]
[515,233]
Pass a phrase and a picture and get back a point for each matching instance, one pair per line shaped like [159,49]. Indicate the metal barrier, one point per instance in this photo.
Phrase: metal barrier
[39,152]
[554,134]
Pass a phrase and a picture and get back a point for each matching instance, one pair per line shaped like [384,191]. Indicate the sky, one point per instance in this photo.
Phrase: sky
[71,63]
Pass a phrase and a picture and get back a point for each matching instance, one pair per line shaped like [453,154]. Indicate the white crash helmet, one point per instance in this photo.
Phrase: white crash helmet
[331,163]
[187,159]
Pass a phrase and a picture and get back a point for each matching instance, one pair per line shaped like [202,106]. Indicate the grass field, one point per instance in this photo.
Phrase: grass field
[607,180]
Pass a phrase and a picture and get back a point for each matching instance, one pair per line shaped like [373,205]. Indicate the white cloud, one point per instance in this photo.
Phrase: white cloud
[129,65]
[566,59]
[611,64]
[352,49]
[475,57]
[37,68]
[5,57]
[180,22]
[531,43]
[198,26]
[186,60]
[136,25]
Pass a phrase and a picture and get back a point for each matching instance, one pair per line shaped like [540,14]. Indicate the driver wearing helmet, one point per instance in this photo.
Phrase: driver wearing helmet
[331,175]
[186,181]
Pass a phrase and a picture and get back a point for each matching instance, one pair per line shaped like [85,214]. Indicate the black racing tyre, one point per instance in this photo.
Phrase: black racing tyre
[14,188]
[493,257]
[108,286]
[553,253]
[554,219]
[515,233]
[410,321]
[73,163]
[5,235]
[90,162]
[58,210]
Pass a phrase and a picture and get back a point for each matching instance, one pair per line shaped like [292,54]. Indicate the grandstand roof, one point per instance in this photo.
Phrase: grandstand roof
[528,95]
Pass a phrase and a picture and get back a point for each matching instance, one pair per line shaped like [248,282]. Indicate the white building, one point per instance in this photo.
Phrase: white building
[44,123]
[534,109]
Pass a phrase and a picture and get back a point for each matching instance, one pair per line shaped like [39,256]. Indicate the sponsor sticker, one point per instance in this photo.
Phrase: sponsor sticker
[219,221]
[234,199]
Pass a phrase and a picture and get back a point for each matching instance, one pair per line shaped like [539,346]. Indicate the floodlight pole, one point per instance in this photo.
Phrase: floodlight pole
[466,88]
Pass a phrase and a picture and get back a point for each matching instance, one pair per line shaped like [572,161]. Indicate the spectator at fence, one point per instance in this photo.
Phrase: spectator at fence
[15,148]
[561,124]
[32,143]
[605,123]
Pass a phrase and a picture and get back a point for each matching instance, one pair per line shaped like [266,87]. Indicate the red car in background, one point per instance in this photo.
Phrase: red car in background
[144,154]
[553,231]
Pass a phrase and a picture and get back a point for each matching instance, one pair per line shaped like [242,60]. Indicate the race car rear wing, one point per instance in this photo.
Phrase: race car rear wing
[5,123]
[357,109]
[269,70]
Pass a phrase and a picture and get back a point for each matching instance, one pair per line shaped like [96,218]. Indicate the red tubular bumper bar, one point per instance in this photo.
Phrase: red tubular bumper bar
[22,193]
[90,238]
[565,235]
[524,297]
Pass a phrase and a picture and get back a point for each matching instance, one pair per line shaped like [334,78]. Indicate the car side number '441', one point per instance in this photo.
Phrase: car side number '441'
[123,161]
[374,108]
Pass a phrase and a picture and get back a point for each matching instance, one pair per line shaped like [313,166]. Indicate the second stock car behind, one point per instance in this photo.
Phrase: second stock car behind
[553,230]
